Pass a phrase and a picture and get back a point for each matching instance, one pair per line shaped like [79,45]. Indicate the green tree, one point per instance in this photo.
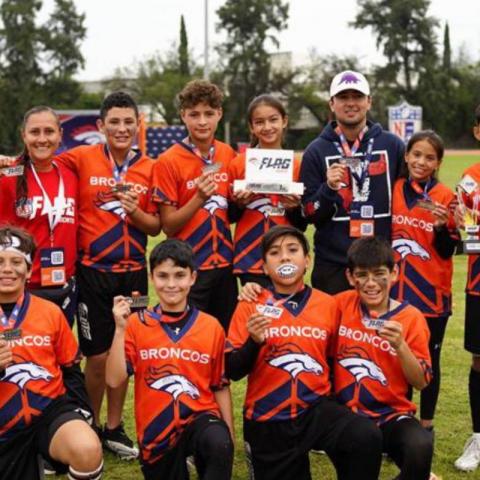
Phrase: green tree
[37,63]
[183,58]
[447,52]
[405,33]
[250,27]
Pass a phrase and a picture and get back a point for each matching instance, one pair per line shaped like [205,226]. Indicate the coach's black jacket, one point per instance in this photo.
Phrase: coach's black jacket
[329,210]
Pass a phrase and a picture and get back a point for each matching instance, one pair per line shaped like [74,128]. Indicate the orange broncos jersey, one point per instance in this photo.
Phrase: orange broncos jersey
[175,376]
[107,240]
[291,372]
[367,374]
[254,222]
[473,275]
[208,231]
[35,379]
[425,278]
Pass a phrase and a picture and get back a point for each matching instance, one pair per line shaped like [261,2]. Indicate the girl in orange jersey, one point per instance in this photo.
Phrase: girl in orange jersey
[424,239]
[267,121]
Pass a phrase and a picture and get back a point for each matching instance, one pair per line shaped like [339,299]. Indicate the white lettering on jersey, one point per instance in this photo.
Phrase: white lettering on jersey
[31,341]
[111,182]
[38,207]
[286,331]
[167,353]
[366,337]
[412,222]
[219,177]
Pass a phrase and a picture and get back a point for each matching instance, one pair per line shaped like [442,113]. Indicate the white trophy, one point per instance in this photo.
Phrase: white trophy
[269,172]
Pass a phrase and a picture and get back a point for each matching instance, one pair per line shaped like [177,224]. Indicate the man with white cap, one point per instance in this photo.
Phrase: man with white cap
[348,172]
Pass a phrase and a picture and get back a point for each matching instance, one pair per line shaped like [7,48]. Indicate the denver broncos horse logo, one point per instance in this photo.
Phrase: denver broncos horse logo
[215,202]
[407,246]
[172,383]
[357,363]
[263,205]
[90,137]
[22,373]
[108,202]
[294,363]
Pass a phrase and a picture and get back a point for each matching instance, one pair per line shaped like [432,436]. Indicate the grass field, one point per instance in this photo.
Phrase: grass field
[452,424]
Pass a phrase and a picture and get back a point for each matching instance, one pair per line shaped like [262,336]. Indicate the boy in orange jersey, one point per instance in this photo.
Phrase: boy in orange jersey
[42,396]
[381,353]
[114,218]
[191,188]
[470,459]
[282,341]
[176,353]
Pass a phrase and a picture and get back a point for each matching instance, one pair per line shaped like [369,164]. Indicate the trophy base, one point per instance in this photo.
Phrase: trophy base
[269,188]
[471,247]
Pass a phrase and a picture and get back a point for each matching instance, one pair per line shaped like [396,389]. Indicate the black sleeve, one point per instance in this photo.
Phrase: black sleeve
[444,242]
[239,362]
[296,218]
[74,382]
[2,373]
[234,212]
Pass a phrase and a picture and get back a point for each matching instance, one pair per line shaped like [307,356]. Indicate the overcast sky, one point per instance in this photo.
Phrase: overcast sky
[120,32]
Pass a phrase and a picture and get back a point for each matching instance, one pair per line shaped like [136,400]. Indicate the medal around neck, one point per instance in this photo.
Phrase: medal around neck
[287,270]
[269,172]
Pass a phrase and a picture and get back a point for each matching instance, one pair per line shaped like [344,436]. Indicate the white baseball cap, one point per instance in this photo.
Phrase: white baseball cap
[349,80]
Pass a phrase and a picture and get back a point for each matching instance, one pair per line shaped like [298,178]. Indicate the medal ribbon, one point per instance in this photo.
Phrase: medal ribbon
[279,302]
[208,160]
[119,172]
[345,151]
[55,211]
[156,314]
[417,188]
[12,319]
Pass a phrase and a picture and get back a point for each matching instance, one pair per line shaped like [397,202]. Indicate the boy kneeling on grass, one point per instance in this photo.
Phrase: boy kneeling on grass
[43,402]
[381,353]
[176,354]
[282,342]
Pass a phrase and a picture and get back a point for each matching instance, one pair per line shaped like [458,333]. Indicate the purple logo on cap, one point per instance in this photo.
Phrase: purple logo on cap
[348,77]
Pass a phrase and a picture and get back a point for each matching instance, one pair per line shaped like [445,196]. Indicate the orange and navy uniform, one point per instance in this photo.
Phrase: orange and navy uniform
[291,372]
[31,215]
[34,379]
[108,241]
[208,231]
[254,222]
[367,374]
[425,277]
[473,275]
[176,375]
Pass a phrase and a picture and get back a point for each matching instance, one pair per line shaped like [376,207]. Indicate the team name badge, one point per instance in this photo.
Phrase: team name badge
[270,311]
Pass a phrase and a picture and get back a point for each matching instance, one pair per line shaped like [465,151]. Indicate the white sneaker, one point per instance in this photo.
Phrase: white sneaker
[470,458]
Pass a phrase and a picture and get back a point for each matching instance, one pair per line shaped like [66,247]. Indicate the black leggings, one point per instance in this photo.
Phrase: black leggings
[410,446]
[208,439]
[429,395]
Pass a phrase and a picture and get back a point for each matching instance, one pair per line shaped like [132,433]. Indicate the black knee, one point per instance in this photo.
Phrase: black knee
[215,446]
[363,437]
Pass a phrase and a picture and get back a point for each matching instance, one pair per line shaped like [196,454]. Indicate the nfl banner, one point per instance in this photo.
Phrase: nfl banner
[404,120]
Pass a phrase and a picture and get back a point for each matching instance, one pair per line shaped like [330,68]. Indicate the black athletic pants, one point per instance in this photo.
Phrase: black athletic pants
[410,446]
[279,450]
[208,439]
[429,395]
